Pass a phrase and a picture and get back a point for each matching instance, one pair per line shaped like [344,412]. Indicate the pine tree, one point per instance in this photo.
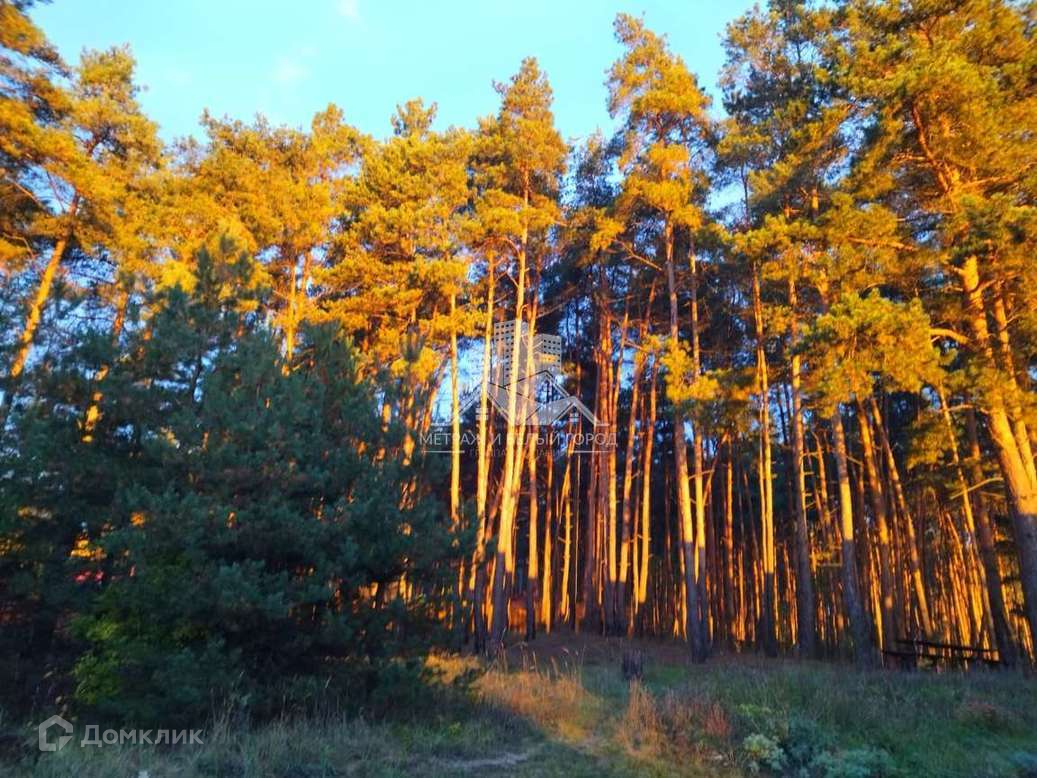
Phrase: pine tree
[276,190]
[665,125]
[270,515]
[951,150]
[77,155]
[518,164]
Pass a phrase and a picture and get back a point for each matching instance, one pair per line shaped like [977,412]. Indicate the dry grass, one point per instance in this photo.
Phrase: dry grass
[675,728]
[555,697]
[564,710]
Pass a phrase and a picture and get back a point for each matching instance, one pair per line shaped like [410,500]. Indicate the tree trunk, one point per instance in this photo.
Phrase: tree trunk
[806,609]
[914,557]
[505,565]
[729,551]
[533,562]
[1006,646]
[566,503]
[879,508]
[484,449]
[646,494]
[701,618]
[680,458]
[455,420]
[93,412]
[32,320]
[628,482]
[1021,488]
[860,629]
[766,477]
[609,515]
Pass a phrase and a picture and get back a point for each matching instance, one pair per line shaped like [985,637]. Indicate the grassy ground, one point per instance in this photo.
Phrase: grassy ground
[562,708]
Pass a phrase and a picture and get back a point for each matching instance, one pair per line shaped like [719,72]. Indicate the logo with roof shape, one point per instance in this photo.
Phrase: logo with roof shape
[533,367]
[46,726]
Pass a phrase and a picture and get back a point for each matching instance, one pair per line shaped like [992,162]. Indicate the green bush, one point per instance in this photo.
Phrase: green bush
[270,559]
[763,720]
[760,751]
[854,763]
[804,740]
[253,541]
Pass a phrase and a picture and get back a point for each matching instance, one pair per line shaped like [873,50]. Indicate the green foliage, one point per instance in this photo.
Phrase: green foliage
[854,763]
[397,254]
[806,739]
[866,341]
[248,547]
[760,751]
[717,398]
[210,491]
[665,126]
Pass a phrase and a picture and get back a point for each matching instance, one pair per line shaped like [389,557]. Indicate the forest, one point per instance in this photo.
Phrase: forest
[281,422]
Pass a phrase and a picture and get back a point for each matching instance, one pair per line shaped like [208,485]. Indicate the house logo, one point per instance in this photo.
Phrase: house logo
[532,368]
[50,724]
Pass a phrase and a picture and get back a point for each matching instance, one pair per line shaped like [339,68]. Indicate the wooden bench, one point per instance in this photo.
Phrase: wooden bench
[939,654]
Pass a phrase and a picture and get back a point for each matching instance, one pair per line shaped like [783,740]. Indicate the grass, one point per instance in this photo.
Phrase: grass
[561,708]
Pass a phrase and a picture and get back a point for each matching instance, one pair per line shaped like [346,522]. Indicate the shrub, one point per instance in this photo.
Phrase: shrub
[760,751]
[763,720]
[854,763]
[804,740]
[264,547]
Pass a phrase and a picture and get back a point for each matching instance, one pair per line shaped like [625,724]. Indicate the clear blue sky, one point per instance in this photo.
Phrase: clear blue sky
[288,60]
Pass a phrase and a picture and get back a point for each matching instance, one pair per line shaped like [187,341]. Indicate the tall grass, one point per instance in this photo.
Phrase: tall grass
[575,715]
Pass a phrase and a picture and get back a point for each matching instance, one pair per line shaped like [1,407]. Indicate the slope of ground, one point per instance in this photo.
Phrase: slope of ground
[560,707]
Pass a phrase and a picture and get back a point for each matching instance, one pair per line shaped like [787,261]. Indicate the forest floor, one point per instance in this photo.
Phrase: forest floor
[560,707]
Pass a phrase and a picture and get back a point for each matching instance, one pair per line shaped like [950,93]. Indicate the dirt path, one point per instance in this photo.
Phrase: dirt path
[505,760]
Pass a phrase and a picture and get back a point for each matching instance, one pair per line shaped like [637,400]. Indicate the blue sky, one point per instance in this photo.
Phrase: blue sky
[239,58]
